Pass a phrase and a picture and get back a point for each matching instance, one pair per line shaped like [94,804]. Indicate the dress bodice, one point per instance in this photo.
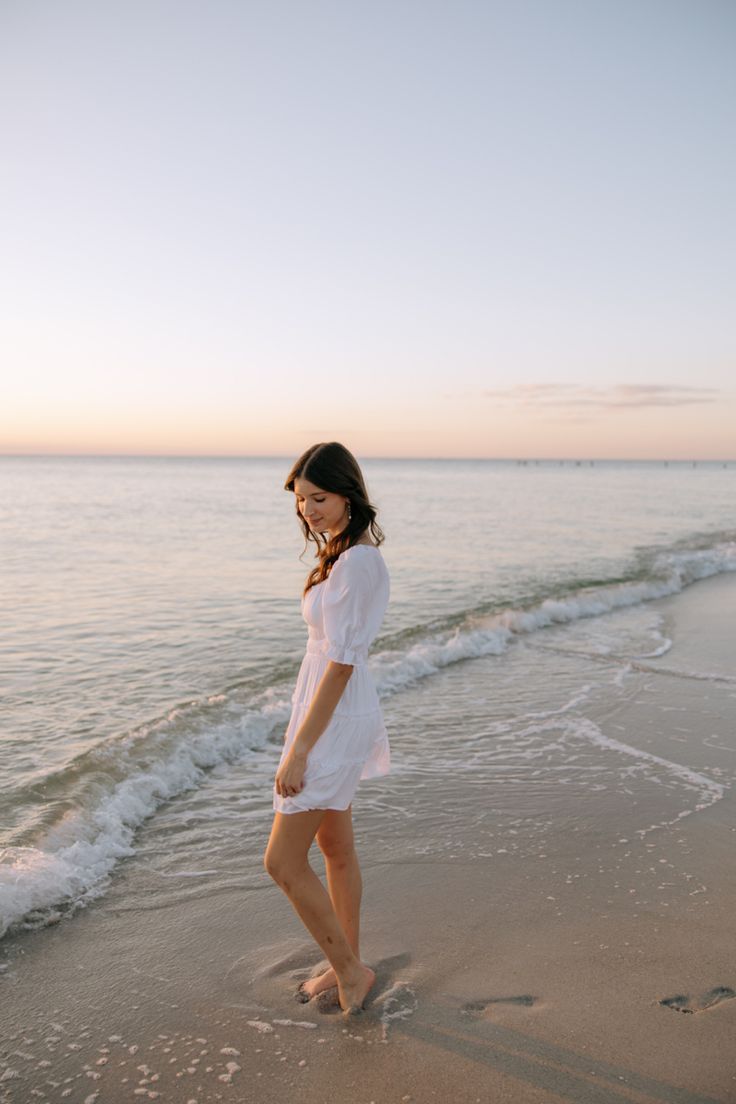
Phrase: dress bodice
[345,611]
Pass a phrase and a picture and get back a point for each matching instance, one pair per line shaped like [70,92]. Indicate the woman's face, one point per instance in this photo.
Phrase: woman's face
[323,511]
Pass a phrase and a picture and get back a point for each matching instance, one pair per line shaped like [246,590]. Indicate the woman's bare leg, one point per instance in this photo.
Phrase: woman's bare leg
[337,844]
[286,861]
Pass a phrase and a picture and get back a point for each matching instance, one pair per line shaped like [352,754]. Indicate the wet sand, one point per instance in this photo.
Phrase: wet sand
[601,969]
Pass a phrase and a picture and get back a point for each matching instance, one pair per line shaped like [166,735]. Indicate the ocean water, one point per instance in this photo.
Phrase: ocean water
[152,635]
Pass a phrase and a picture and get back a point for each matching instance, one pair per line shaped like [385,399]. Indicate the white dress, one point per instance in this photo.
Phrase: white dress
[344,613]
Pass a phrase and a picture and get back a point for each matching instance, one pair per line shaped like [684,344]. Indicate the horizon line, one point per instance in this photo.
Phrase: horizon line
[289,456]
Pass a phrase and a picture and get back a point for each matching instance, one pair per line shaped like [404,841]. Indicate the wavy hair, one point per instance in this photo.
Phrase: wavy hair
[332,467]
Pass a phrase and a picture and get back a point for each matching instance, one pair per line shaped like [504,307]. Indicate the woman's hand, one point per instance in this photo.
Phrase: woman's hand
[290,775]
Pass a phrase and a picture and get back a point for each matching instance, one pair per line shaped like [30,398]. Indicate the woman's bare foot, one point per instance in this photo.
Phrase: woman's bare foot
[310,987]
[353,993]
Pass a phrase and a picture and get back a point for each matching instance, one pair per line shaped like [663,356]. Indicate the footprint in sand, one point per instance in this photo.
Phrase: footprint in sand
[684,1003]
[483,1003]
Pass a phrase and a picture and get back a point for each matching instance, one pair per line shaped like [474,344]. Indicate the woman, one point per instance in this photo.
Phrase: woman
[336,735]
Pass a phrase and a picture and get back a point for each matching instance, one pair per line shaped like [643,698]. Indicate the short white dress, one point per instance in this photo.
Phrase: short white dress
[344,613]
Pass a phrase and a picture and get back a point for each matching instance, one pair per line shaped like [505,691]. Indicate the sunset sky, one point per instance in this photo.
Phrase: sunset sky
[421,228]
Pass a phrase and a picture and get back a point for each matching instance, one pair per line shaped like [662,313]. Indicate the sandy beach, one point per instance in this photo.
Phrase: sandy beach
[598,969]
[454,281]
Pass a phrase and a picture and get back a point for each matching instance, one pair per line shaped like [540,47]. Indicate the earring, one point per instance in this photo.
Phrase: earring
[349,514]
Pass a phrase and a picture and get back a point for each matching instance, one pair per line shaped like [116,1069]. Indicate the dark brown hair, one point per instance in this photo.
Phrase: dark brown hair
[332,467]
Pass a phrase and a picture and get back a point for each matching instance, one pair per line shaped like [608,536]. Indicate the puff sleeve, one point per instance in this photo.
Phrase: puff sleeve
[346,610]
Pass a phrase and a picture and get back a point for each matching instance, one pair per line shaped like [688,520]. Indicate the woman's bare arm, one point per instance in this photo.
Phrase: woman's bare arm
[328,693]
[290,776]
